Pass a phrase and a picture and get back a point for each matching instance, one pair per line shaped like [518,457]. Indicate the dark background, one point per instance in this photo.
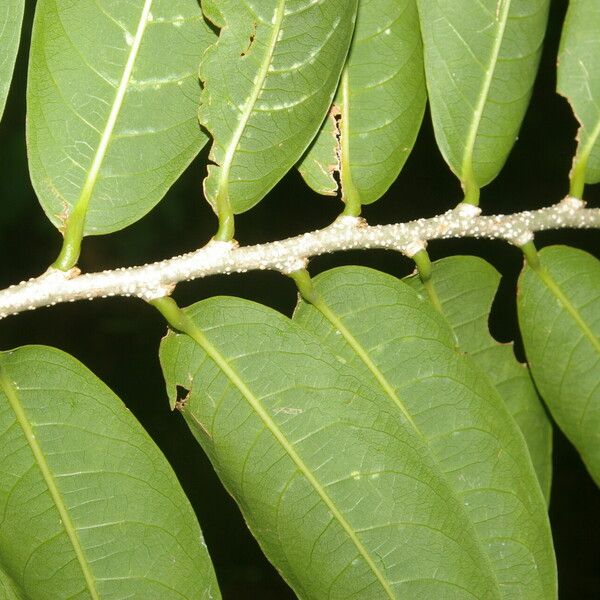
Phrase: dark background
[118,338]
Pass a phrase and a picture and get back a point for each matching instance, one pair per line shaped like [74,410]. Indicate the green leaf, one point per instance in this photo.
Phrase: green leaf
[480,59]
[559,316]
[321,165]
[267,84]
[8,588]
[91,508]
[112,100]
[340,489]
[579,82]
[395,340]
[11,19]
[378,108]
[466,286]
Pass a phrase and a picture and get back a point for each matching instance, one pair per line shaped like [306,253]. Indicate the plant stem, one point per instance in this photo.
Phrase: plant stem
[305,286]
[226,230]
[471,191]
[71,248]
[531,255]
[174,316]
[425,269]
[347,233]
[577,179]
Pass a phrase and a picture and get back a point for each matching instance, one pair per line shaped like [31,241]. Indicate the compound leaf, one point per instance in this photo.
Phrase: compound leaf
[378,108]
[480,59]
[393,339]
[268,82]
[559,316]
[579,82]
[11,19]
[112,102]
[466,286]
[90,506]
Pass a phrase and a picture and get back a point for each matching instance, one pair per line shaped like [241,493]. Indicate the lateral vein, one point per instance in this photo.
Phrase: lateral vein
[11,393]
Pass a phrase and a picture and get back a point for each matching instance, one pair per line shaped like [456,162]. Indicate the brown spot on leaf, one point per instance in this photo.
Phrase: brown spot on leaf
[251,40]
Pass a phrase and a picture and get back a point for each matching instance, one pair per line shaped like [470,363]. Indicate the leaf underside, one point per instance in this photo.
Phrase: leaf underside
[11,19]
[481,60]
[268,82]
[466,286]
[559,317]
[91,507]
[8,588]
[110,143]
[579,79]
[378,108]
[394,339]
[341,491]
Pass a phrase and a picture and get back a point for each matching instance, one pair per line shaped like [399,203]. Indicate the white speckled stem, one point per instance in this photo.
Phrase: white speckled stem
[155,280]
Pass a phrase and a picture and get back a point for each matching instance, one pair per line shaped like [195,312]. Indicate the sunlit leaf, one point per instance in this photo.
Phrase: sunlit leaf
[91,508]
[466,286]
[340,487]
[559,316]
[378,108]
[11,18]
[395,340]
[268,83]
[480,59]
[112,101]
[579,81]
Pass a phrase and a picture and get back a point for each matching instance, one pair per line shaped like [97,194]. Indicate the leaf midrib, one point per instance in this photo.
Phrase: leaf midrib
[362,353]
[223,187]
[555,289]
[92,176]
[222,363]
[593,137]
[467,165]
[389,390]
[11,393]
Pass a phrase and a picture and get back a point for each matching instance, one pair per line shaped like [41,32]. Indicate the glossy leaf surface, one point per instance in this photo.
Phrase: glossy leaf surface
[393,339]
[11,18]
[268,82]
[480,59]
[112,101]
[466,286]
[378,108]
[579,82]
[91,508]
[559,316]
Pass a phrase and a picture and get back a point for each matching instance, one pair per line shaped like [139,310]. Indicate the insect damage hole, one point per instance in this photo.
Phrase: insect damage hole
[251,40]
[183,395]
[336,115]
